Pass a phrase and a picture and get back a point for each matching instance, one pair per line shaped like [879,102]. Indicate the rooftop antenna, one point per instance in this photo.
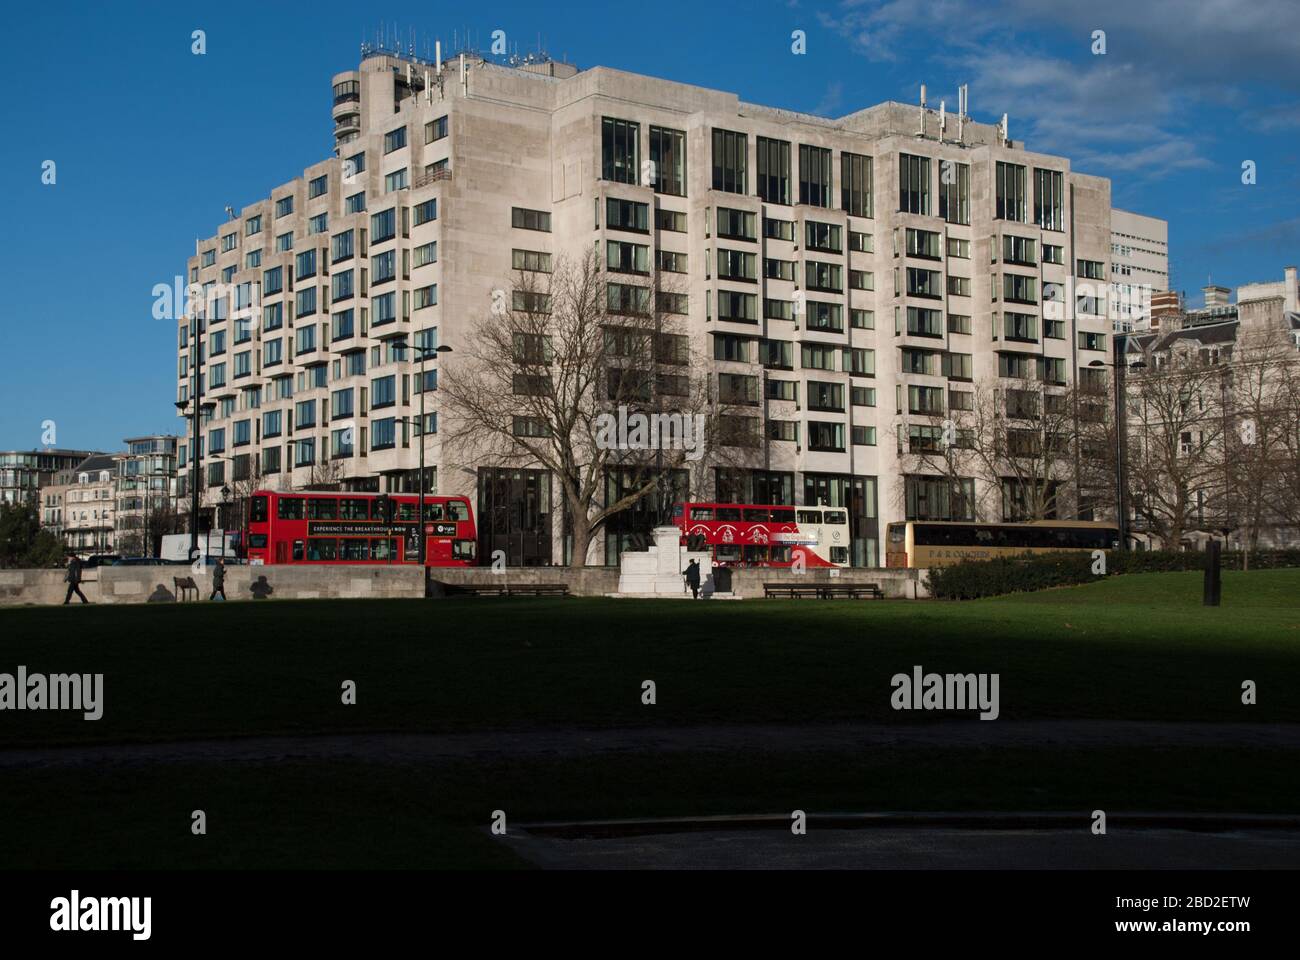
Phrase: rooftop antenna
[1004,128]
[963,103]
[922,133]
[943,118]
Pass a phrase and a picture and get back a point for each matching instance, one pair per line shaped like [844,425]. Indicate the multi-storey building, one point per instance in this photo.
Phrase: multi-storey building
[851,273]
[80,506]
[145,492]
[24,472]
[1139,267]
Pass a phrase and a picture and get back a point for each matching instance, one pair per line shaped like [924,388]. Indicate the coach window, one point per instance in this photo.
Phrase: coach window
[406,513]
[456,510]
[291,509]
[355,550]
[433,512]
[257,541]
[780,553]
[727,553]
[839,554]
[701,513]
[297,544]
[836,516]
[354,509]
[783,516]
[321,508]
[728,513]
[319,548]
[756,516]
[257,512]
[810,516]
[755,554]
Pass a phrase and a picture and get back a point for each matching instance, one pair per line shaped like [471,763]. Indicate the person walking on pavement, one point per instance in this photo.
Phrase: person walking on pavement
[73,580]
[692,574]
[219,580]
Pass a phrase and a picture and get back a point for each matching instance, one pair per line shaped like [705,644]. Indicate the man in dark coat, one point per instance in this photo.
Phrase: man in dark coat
[219,580]
[692,574]
[73,580]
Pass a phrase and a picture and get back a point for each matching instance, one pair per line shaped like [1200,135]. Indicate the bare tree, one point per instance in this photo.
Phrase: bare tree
[1262,416]
[584,374]
[1174,465]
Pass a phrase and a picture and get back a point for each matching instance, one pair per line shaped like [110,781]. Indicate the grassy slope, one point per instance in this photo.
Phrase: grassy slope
[1136,647]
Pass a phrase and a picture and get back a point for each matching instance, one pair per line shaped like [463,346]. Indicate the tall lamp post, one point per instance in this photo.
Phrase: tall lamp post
[1121,431]
[423,541]
[196,460]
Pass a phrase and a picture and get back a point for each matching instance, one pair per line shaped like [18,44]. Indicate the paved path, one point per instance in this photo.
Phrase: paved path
[558,743]
[920,849]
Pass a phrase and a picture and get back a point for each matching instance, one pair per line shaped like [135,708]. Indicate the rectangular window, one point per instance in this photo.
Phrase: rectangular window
[627,215]
[1018,289]
[1049,199]
[396,180]
[425,254]
[318,187]
[426,296]
[1091,270]
[735,265]
[825,237]
[532,260]
[318,224]
[342,325]
[814,176]
[383,225]
[435,130]
[341,247]
[730,161]
[774,170]
[1019,250]
[620,150]
[284,242]
[923,244]
[738,307]
[1053,253]
[826,277]
[954,191]
[383,266]
[1010,185]
[924,283]
[394,140]
[426,211]
[914,184]
[284,206]
[668,157]
[959,249]
[253,225]
[856,184]
[672,220]
[736,224]
[355,203]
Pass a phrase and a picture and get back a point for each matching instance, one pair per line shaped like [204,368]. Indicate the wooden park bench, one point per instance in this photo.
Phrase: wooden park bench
[823,591]
[511,589]
[538,589]
[184,586]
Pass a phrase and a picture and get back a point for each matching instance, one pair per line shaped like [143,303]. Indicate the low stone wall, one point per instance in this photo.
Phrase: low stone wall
[155,584]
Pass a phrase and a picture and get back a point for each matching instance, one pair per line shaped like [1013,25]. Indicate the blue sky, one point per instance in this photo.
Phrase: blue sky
[151,142]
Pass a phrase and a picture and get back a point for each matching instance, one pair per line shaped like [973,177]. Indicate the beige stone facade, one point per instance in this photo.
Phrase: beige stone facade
[856,268]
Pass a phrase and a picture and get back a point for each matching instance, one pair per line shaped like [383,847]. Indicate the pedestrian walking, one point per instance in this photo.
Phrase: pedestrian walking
[219,580]
[73,579]
[692,574]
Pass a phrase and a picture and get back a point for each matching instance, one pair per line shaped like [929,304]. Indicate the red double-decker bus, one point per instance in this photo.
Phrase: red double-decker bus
[323,527]
[757,535]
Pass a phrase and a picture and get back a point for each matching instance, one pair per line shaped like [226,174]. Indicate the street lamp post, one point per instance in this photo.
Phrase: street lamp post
[423,537]
[1121,431]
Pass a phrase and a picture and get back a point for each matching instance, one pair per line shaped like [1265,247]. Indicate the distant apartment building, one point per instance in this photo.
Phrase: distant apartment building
[848,279]
[1242,372]
[1139,267]
[24,472]
[80,506]
[145,492]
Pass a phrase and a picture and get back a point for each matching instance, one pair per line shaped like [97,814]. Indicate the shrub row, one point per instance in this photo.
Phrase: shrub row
[972,579]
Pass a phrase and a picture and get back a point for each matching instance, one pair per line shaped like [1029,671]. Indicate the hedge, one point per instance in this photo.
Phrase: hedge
[972,579]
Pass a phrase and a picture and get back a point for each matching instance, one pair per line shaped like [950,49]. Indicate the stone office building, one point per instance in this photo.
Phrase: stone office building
[847,272]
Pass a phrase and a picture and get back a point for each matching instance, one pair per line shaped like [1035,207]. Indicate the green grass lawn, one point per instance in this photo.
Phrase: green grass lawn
[1133,647]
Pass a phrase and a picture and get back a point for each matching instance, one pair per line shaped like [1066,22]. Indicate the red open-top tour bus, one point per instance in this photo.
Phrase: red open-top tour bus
[327,527]
[758,535]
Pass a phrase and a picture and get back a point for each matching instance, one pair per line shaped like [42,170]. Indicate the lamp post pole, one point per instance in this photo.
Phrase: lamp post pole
[424,539]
